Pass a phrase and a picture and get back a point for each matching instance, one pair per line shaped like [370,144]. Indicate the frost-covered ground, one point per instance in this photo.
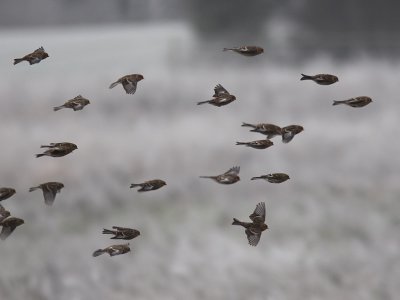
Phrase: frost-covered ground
[334,227]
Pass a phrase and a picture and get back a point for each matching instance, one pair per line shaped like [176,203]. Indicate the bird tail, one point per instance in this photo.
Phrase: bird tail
[40,155]
[58,108]
[305,77]
[114,84]
[33,188]
[241,143]
[203,102]
[248,125]
[135,185]
[98,252]
[212,177]
[227,49]
[18,60]
[108,231]
[257,177]
[337,102]
[236,222]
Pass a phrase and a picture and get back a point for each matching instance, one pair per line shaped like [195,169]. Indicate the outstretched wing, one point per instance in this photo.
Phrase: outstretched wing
[49,196]
[6,231]
[129,86]
[234,170]
[258,216]
[253,237]
[287,136]
[219,90]
[121,228]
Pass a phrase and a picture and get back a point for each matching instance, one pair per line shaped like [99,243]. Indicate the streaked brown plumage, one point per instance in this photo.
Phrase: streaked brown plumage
[57,149]
[50,190]
[256,227]
[322,79]
[77,103]
[273,178]
[290,131]
[9,224]
[129,82]
[122,233]
[3,213]
[113,250]
[221,97]
[33,58]
[229,177]
[150,185]
[355,102]
[246,50]
[270,130]
[6,193]
[259,144]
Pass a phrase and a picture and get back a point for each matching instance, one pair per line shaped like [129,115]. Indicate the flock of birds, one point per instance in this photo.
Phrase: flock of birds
[221,97]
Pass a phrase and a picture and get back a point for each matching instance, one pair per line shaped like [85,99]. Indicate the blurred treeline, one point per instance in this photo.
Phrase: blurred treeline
[340,27]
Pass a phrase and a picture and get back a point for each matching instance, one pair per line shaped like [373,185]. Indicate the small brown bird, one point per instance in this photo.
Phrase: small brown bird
[270,130]
[254,229]
[3,213]
[150,185]
[129,82]
[221,97]
[122,233]
[57,149]
[322,79]
[6,193]
[354,102]
[259,144]
[50,190]
[289,132]
[273,178]
[113,250]
[77,103]
[229,177]
[246,50]
[9,224]
[33,58]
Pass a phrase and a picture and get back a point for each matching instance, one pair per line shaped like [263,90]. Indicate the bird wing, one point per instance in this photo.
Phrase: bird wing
[2,209]
[258,216]
[234,170]
[6,231]
[220,91]
[253,237]
[121,228]
[129,86]
[287,136]
[49,196]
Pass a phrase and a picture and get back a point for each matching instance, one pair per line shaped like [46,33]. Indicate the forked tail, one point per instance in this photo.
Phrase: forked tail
[98,252]
[203,102]
[114,84]
[18,60]
[305,77]
[33,188]
[337,102]
[236,222]
[248,125]
[108,231]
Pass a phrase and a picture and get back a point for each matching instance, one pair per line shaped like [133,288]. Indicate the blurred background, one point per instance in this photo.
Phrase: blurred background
[334,226]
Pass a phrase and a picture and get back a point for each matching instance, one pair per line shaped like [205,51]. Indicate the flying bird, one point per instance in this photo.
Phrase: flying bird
[50,190]
[6,193]
[221,97]
[354,102]
[322,79]
[122,233]
[57,149]
[270,130]
[256,227]
[273,178]
[3,213]
[113,250]
[150,185]
[9,224]
[229,177]
[77,103]
[33,58]
[246,50]
[129,82]
[259,144]
[290,131]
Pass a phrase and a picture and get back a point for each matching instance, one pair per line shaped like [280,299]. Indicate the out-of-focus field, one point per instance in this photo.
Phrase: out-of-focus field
[334,226]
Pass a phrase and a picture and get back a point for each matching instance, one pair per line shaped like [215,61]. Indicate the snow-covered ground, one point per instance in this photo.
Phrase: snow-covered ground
[334,226]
